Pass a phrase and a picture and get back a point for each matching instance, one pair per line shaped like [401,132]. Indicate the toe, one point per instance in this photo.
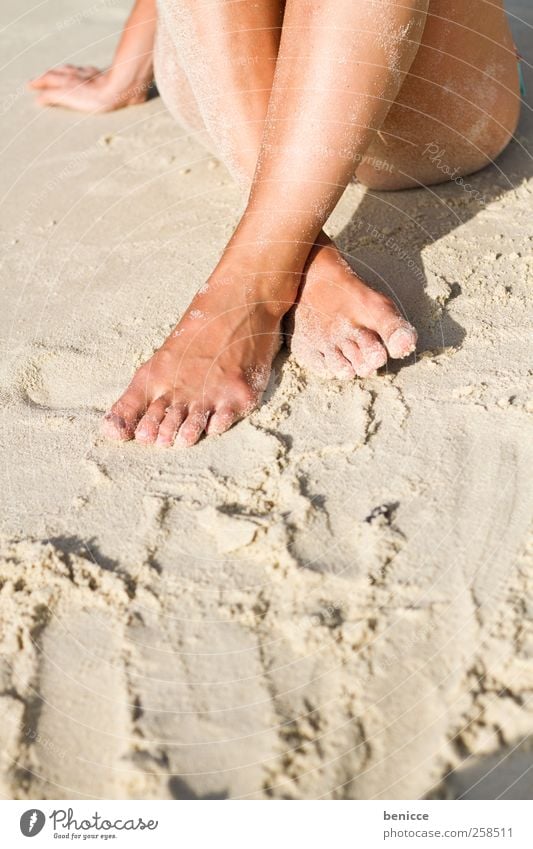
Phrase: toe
[353,353]
[174,416]
[337,364]
[374,354]
[148,427]
[382,315]
[120,422]
[193,427]
[401,341]
[308,356]
[221,421]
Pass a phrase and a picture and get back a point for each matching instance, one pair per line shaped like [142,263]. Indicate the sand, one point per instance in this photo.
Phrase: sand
[333,600]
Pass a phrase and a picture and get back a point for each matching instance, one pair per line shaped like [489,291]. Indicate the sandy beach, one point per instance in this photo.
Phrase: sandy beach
[335,598]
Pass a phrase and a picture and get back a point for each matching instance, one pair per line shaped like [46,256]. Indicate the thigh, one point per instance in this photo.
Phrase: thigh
[458,107]
[214,67]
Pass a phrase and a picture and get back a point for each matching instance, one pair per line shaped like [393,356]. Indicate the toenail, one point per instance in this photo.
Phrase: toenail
[116,419]
[399,338]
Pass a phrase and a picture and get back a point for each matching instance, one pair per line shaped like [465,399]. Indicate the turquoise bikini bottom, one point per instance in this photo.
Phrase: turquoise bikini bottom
[523,90]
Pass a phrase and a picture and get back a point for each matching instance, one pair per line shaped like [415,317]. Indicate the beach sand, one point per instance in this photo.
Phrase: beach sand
[332,600]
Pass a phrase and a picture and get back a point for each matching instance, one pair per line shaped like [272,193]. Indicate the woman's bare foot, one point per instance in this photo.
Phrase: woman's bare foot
[340,327]
[214,367]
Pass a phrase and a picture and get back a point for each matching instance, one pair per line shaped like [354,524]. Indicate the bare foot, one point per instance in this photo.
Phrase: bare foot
[342,328]
[213,368]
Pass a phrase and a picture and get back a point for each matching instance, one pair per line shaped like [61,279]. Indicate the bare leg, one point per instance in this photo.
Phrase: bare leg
[266,257]
[460,96]
[456,111]
[229,51]
[214,66]
[311,138]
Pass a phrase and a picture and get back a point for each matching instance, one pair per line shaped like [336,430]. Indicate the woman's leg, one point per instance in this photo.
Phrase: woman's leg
[229,51]
[456,110]
[215,67]
[330,95]
[267,252]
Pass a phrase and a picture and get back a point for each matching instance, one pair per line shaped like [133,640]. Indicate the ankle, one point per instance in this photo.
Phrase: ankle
[240,279]
[264,239]
[254,280]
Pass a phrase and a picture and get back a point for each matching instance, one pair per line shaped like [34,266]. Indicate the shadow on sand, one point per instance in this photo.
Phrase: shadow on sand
[506,774]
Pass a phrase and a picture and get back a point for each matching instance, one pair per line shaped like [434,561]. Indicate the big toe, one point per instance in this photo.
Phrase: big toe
[122,419]
[382,315]
[402,340]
